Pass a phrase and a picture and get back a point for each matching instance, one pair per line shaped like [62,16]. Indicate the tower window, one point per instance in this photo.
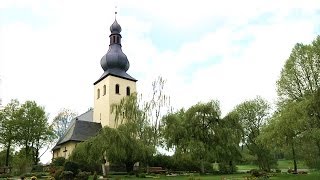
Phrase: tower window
[118,39]
[128,91]
[104,90]
[117,89]
[98,93]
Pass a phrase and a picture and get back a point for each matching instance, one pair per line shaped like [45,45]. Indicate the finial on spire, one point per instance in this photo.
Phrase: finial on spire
[115,12]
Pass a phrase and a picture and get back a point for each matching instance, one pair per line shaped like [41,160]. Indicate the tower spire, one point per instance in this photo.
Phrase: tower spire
[115,12]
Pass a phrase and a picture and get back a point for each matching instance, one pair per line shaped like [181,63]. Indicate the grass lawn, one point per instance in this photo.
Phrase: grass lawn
[282,164]
[310,176]
[286,164]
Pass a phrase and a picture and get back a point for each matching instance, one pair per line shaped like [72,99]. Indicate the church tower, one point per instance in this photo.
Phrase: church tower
[115,83]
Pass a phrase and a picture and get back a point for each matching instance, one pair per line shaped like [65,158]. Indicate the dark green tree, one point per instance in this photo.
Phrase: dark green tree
[8,127]
[34,131]
[201,134]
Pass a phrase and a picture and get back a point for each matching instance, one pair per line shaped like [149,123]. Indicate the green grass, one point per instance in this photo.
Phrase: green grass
[246,167]
[311,176]
[286,164]
[188,177]
[282,164]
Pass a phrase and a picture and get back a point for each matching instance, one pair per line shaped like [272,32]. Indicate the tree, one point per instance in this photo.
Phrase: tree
[62,121]
[34,131]
[300,82]
[127,144]
[201,133]
[285,128]
[301,72]
[8,127]
[253,115]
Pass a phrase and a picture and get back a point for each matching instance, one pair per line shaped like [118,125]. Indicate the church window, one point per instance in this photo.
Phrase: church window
[104,89]
[98,93]
[128,91]
[117,89]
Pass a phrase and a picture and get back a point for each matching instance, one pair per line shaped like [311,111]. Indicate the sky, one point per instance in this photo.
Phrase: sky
[230,51]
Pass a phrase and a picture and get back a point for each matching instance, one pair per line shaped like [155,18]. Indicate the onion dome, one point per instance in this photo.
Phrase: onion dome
[115,28]
[115,62]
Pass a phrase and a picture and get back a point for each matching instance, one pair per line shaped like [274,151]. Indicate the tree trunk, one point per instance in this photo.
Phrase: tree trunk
[201,166]
[294,158]
[8,153]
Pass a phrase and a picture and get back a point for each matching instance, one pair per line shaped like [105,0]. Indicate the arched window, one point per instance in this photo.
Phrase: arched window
[117,89]
[98,93]
[104,89]
[128,91]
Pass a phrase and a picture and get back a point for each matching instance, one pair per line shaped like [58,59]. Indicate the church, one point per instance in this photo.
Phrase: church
[110,88]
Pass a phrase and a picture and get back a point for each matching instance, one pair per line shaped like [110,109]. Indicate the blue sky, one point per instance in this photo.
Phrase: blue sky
[50,50]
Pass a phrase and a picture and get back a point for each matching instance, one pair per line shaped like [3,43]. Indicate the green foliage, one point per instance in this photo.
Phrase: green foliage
[129,143]
[253,116]
[66,175]
[164,161]
[300,74]
[83,175]
[71,166]
[8,127]
[298,90]
[34,131]
[95,176]
[201,134]
[57,174]
[25,126]
[227,167]
[59,161]
[21,163]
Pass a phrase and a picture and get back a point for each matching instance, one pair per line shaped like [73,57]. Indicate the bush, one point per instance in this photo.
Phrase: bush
[227,168]
[66,175]
[141,175]
[5,175]
[258,173]
[95,176]
[71,166]
[83,175]
[57,174]
[59,161]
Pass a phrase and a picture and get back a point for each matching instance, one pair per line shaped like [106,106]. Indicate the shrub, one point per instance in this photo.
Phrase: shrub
[83,175]
[95,176]
[59,161]
[66,175]
[57,174]
[5,175]
[227,168]
[71,166]
[258,173]
[141,175]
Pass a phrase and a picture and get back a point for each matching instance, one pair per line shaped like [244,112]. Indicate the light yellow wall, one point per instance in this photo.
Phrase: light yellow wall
[69,146]
[102,112]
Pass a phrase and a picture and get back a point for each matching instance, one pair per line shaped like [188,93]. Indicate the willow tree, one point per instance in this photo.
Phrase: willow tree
[202,134]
